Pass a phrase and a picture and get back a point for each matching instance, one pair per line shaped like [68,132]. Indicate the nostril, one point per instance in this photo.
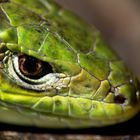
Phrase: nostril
[119,99]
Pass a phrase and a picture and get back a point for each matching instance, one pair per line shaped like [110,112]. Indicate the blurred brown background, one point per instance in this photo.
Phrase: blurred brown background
[119,22]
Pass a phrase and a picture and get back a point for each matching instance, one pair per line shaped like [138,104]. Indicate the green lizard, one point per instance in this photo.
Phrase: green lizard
[56,71]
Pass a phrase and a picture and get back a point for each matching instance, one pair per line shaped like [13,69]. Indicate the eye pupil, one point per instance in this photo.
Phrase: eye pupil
[32,67]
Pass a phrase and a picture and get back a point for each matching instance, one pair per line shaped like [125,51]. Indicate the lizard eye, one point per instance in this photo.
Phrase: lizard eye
[32,67]
[31,73]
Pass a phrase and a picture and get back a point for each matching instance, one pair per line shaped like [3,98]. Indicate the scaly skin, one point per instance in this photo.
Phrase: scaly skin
[88,85]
